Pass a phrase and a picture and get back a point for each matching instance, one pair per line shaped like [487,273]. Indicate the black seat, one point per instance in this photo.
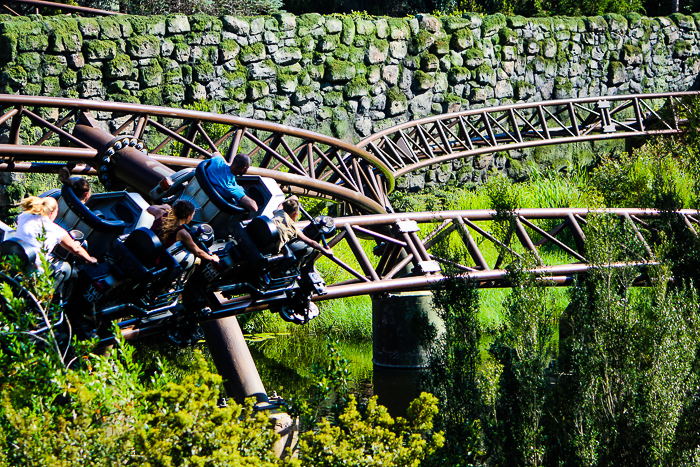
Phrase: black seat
[264,234]
[20,249]
[215,196]
[86,215]
[145,245]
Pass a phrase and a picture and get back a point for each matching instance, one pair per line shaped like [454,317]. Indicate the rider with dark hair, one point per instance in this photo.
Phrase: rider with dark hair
[79,185]
[170,223]
[223,177]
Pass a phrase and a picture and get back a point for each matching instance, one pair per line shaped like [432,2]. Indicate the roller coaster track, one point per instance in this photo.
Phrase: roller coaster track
[408,255]
[36,130]
[552,244]
[28,7]
[438,139]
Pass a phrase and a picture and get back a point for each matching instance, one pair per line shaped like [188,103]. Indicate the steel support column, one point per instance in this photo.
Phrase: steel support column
[404,328]
[233,359]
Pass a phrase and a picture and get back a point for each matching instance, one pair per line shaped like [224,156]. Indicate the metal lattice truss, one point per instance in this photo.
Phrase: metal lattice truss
[411,252]
[442,138]
[35,134]
[419,251]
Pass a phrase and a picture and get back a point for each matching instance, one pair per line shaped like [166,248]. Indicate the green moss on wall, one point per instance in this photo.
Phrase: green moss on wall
[69,78]
[151,96]
[422,41]
[29,60]
[203,72]
[490,24]
[90,73]
[64,35]
[423,81]
[14,76]
[119,67]
[151,75]
[100,50]
[147,24]
[52,86]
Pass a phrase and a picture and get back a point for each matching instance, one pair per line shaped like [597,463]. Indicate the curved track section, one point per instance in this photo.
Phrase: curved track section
[435,140]
[413,251]
[28,7]
[35,130]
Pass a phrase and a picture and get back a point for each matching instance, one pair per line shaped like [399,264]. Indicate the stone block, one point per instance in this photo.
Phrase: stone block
[286,21]
[182,52]
[64,36]
[262,70]
[119,67]
[333,25]
[365,28]
[177,24]
[91,89]
[143,46]
[422,81]
[54,65]
[382,26]
[196,92]
[339,71]
[253,53]
[617,74]
[100,50]
[257,26]
[398,49]
[390,74]
[377,52]
[203,72]
[238,26]
[462,40]
[228,50]
[89,27]
[286,56]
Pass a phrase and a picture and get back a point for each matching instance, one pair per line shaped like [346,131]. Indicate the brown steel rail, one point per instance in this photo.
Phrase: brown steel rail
[26,7]
[411,246]
[438,139]
[305,161]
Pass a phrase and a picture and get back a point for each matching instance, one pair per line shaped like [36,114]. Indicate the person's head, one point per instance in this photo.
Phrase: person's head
[183,210]
[240,164]
[291,207]
[79,185]
[42,206]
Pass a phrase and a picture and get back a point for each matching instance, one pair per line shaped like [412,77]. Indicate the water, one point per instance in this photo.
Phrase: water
[286,362]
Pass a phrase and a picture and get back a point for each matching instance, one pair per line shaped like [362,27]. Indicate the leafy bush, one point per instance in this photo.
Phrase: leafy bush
[67,406]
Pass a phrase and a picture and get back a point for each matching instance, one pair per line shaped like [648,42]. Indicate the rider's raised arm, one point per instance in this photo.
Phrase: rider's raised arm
[184,237]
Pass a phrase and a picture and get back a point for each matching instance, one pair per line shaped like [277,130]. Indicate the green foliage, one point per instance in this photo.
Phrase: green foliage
[190,7]
[650,177]
[612,378]
[70,407]
[373,438]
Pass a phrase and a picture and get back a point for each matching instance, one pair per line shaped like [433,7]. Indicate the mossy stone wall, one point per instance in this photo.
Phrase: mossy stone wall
[347,76]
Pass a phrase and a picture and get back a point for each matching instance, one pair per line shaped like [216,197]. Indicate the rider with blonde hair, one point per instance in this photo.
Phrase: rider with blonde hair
[37,220]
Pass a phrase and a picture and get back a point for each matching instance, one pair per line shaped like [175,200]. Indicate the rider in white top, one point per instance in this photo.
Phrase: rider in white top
[37,220]
[30,227]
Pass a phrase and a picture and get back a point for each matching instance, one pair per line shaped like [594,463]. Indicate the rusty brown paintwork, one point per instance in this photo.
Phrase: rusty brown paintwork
[32,6]
[442,138]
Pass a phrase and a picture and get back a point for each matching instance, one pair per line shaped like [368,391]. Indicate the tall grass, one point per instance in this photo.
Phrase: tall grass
[622,181]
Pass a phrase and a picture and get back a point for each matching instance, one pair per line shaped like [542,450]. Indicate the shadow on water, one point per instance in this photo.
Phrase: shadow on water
[286,361]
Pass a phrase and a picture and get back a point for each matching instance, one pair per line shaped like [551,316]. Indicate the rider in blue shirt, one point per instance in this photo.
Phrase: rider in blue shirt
[223,178]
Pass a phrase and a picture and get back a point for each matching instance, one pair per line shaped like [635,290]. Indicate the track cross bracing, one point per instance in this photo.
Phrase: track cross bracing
[36,136]
[442,138]
[418,251]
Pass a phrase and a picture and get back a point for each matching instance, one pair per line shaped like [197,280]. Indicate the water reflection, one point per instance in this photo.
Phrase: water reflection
[285,362]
